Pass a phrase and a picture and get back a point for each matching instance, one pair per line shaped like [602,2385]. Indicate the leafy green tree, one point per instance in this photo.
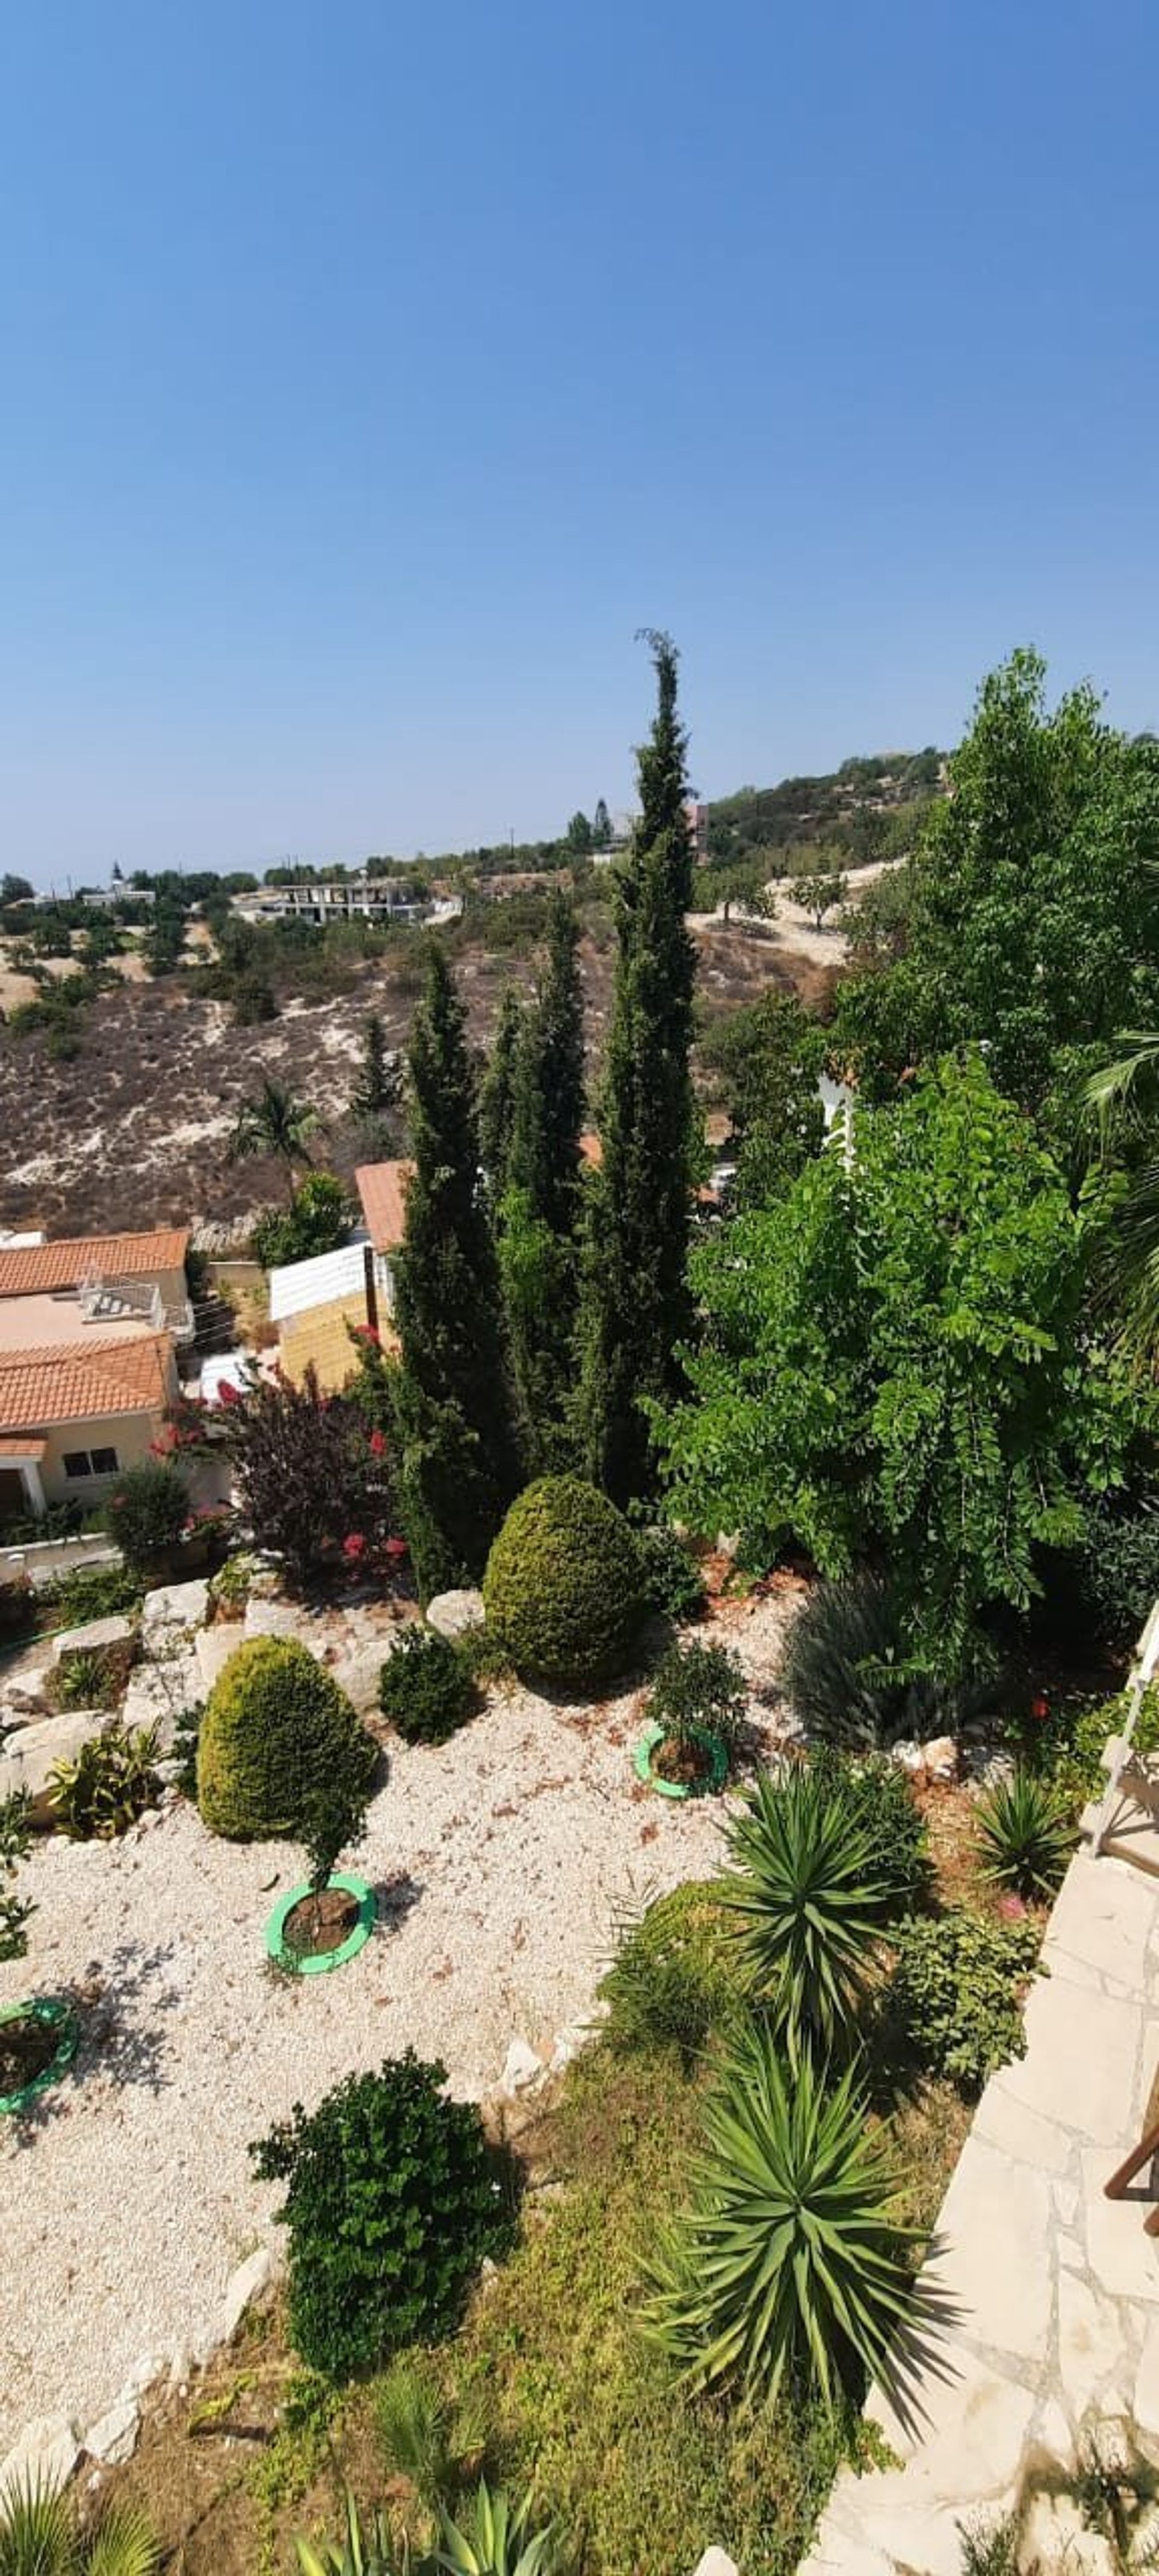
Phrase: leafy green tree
[820,892]
[1125,1096]
[764,1060]
[1032,897]
[579,835]
[315,1223]
[457,1454]
[14,889]
[277,1125]
[636,1308]
[896,1366]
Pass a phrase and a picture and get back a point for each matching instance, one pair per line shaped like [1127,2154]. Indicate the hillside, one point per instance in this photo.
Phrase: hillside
[865,810]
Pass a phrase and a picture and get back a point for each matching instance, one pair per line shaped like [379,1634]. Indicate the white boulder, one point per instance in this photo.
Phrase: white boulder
[44,2455]
[454,1614]
[30,1754]
[113,2438]
[250,2281]
[96,1637]
[521,2068]
[174,1606]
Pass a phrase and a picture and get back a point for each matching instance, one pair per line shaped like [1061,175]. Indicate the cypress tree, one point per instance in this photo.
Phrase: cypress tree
[458,1464]
[539,1209]
[497,1096]
[636,1308]
[375,1087]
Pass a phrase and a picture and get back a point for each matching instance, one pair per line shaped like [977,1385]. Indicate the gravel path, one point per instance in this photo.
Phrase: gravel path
[499,1859]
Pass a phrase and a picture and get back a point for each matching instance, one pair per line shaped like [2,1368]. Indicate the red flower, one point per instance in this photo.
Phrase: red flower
[354,1547]
[377,1445]
[1040,1707]
[368,1333]
[227,1392]
[394,1549]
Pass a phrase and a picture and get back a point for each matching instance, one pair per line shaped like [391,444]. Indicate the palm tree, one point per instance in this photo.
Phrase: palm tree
[274,1124]
[1131,1234]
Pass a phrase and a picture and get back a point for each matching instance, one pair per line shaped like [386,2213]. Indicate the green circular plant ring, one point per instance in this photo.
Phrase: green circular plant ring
[706,1787]
[52,2014]
[314,1963]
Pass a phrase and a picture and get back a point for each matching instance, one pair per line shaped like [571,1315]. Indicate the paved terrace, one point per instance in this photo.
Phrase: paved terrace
[1056,2289]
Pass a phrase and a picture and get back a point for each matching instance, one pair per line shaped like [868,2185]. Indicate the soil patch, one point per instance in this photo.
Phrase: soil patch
[319,1924]
[27,2048]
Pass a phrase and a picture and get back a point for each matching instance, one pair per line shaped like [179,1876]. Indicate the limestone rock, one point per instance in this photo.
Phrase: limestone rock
[95,1638]
[359,1676]
[567,2046]
[31,1753]
[275,1619]
[114,2438]
[250,2281]
[214,1648]
[174,1605]
[454,1614]
[715,2562]
[940,1758]
[908,1756]
[521,2068]
[44,2455]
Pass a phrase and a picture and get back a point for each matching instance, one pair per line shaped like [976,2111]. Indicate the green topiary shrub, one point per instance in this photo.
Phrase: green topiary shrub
[275,1730]
[426,1688]
[392,2202]
[564,1584]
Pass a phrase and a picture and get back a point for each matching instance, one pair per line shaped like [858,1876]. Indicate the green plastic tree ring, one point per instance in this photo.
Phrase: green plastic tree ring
[713,1779]
[314,1963]
[54,2015]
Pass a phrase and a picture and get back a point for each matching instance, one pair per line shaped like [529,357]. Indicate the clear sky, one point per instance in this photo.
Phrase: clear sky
[372,370]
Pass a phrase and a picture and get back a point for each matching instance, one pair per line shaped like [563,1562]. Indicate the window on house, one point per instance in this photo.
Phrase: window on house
[89,1462]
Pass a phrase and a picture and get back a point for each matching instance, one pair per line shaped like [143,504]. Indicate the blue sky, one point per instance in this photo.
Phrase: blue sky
[371,372]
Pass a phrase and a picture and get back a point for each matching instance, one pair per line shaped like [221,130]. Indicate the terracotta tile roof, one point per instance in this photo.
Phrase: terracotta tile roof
[382,1190]
[83,1381]
[29,1447]
[37,1267]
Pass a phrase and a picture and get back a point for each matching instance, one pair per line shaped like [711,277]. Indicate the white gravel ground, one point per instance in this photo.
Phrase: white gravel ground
[499,1860]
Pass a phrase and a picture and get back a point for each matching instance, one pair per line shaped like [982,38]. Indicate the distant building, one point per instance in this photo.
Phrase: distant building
[380,899]
[697,829]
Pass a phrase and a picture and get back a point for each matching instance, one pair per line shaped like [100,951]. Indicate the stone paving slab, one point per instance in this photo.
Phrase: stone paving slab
[1056,2289]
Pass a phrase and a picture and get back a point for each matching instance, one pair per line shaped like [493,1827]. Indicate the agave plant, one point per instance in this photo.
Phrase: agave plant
[1025,1834]
[802,1879]
[368,2552]
[498,2542]
[791,2259]
[850,1679]
[39,2537]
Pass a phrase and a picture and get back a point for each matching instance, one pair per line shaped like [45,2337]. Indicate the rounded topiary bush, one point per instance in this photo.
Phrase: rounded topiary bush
[564,1586]
[276,1730]
[426,1688]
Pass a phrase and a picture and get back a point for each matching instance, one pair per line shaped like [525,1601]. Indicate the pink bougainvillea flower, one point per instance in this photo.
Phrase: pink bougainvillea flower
[377,1445]
[395,1549]
[227,1393]
[354,1546]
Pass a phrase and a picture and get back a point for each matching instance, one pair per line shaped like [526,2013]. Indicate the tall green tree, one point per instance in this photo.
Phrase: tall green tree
[764,1061]
[897,1368]
[376,1085]
[497,1095]
[539,1209]
[456,1452]
[636,1308]
[1032,901]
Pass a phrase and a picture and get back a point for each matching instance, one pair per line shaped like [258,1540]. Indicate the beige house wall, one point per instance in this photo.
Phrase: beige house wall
[128,1433]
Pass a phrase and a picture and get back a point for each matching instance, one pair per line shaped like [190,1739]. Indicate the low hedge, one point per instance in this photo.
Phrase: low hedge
[564,1586]
[426,1688]
[276,1730]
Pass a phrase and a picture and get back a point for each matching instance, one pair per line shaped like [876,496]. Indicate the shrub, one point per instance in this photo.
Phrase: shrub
[147,1511]
[93,1592]
[673,1583]
[957,1987]
[791,2262]
[310,1477]
[316,1222]
[699,1686]
[110,1784]
[800,1880]
[1025,1834]
[880,1804]
[1118,1565]
[15,1837]
[91,1677]
[564,1584]
[1075,1758]
[229,1590]
[420,2435]
[392,2202]
[276,1729]
[849,1678]
[674,1977]
[426,1688]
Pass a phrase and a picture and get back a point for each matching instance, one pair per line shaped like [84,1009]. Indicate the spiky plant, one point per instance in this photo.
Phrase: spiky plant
[362,2552]
[1025,1834]
[498,2542]
[39,2537]
[421,2436]
[802,1880]
[791,2261]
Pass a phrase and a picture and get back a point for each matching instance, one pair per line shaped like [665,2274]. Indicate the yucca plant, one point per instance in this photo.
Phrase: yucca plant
[1025,1834]
[802,1881]
[39,2537]
[498,2542]
[791,2261]
[362,2552]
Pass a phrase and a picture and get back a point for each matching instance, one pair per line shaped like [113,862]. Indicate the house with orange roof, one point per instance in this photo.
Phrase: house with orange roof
[74,1414]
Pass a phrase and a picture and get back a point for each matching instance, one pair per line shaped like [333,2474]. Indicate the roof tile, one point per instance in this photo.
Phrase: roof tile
[36,1267]
[83,1381]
